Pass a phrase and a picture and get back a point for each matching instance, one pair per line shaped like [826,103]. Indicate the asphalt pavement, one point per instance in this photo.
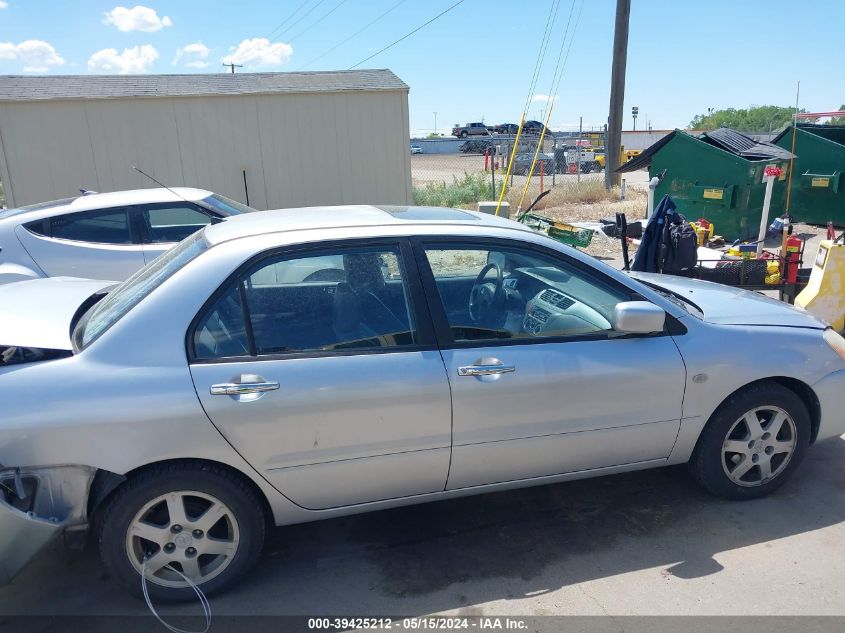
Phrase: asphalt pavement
[645,543]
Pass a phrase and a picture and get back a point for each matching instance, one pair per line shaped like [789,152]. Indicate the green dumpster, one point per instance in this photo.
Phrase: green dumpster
[717,176]
[817,191]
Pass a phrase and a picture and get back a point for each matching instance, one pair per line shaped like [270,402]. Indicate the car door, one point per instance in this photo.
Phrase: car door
[541,385]
[165,225]
[320,367]
[99,244]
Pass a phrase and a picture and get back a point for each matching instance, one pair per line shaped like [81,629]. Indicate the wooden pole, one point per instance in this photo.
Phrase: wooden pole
[613,143]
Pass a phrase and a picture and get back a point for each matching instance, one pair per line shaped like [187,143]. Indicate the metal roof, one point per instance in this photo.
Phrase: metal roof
[744,146]
[724,138]
[49,87]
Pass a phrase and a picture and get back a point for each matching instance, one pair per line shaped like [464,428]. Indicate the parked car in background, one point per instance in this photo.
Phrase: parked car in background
[522,164]
[416,149]
[470,129]
[534,128]
[104,235]
[506,128]
[477,146]
[451,353]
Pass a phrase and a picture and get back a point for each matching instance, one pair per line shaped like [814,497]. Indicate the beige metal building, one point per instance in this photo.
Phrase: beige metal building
[285,139]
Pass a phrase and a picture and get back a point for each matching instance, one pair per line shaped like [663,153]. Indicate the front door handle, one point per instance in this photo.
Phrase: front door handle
[485,370]
[240,388]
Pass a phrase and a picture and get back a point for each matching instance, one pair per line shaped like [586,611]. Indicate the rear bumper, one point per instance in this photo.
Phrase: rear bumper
[52,500]
[830,391]
[22,536]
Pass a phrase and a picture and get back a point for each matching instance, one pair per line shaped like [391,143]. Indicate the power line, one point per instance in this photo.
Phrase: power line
[302,17]
[541,54]
[286,20]
[283,31]
[407,35]
[276,28]
[557,75]
[325,15]
[355,34]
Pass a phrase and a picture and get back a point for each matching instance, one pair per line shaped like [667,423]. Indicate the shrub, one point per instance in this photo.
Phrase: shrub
[469,189]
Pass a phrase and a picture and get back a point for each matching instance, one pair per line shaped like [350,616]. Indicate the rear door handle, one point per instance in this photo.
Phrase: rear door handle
[240,388]
[485,370]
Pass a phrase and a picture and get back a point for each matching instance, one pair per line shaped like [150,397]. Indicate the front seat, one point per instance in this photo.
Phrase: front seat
[365,278]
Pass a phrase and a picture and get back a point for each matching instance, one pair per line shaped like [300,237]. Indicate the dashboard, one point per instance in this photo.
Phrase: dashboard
[551,310]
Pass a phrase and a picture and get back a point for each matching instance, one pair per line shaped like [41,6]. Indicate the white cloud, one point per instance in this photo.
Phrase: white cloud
[138,18]
[544,98]
[37,56]
[3,4]
[132,61]
[192,55]
[260,52]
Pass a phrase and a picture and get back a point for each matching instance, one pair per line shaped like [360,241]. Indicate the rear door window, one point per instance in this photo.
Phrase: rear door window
[110,226]
[334,300]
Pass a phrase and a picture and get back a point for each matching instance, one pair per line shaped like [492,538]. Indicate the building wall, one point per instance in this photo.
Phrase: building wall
[296,149]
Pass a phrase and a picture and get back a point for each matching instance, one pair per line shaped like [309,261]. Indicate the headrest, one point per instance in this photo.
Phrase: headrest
[363,271]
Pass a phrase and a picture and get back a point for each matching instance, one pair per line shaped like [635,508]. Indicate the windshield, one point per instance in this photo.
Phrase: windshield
[127,295]
[682,302]
[226,206]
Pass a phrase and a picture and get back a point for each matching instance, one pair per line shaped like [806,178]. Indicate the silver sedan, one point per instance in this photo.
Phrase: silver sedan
[288,366]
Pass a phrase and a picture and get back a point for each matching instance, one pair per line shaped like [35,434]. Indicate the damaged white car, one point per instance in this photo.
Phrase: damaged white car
[295,365]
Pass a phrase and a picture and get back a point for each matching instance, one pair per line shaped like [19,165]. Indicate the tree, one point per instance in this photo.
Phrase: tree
[838,120]
[753,119]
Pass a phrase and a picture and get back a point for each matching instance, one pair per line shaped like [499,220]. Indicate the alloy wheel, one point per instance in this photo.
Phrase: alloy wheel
[185,531]
[758,446]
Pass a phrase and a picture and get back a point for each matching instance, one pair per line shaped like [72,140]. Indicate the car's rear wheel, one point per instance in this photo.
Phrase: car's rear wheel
[753,442]
[173,521]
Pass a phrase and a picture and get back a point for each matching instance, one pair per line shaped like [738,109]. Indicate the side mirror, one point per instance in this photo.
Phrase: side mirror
[638,317]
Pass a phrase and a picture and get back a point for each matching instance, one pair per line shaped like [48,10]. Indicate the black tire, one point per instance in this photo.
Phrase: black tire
[707,462]
[229,488]
[464,134]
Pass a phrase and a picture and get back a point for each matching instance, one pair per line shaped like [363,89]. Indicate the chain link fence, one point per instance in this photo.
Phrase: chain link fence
[461,172]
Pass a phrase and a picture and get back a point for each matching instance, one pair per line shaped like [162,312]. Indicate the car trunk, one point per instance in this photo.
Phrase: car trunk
[40,313]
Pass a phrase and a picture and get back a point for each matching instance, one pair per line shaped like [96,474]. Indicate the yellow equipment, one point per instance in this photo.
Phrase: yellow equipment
[824,296]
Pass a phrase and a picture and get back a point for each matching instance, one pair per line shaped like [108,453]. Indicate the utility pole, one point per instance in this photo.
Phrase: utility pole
[435,124]
[233,66]
[617,94]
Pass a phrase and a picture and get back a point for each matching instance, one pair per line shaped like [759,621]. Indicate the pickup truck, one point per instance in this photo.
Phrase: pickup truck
[470,129]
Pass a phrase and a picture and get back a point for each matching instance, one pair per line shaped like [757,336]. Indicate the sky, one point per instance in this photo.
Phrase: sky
[474,63]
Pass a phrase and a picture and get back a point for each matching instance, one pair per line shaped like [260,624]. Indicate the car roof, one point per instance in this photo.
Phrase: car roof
[93,201]
[307,218]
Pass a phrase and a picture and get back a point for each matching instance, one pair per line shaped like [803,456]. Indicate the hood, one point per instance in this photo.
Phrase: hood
[732,306]
[37,312]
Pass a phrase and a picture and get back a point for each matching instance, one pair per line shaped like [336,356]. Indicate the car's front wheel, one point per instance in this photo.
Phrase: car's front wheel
[182,520]
[753,442]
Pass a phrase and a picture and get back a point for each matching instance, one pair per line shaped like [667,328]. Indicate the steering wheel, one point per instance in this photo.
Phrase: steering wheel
[487,298]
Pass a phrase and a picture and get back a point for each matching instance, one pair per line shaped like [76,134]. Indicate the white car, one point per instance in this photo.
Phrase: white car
[104,235]
[416,149]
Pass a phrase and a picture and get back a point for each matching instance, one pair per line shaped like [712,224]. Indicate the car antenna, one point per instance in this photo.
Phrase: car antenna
[159,183]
